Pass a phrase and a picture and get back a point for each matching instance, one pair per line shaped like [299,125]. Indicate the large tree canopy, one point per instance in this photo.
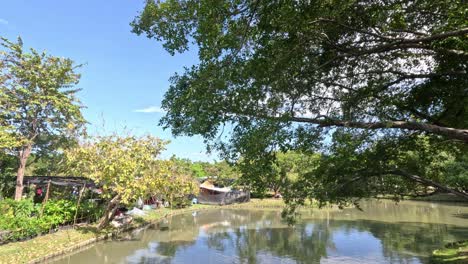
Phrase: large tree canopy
[289,74]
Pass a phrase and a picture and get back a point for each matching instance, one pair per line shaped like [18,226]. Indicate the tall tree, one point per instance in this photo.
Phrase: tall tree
[37,101]
[290,74]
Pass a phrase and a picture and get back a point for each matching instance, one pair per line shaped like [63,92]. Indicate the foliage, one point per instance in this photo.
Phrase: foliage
[199,169]
[276,172]
[166,180]
[456,170]
[359,81]
[47,164]
[223,171]
[127,169]
[24,219]
[8,165]
[38,104]
[360,167]
[291,166]
[7,140]
[116,163]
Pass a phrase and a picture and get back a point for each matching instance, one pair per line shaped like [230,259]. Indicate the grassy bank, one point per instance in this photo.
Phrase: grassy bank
[452,253]
[260,204]
[38,247]
[65,241]
[438,197]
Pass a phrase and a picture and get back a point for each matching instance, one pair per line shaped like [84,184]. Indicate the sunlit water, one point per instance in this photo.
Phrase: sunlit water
[382,233]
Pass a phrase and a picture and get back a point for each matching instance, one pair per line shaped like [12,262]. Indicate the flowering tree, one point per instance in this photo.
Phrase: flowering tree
[119,164]
[127,168]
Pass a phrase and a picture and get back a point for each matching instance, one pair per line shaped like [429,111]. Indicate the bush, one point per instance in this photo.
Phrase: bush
[12,208]
[59,211]
[18,217]
[90,210]
[23,219]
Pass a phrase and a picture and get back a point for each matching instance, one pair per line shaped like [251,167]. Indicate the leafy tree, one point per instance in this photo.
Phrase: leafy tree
[38,104]
[289,167]
[456,170]
[198,169]
[357,80]
[128,168]
[47,164]
[277,171]
[184,166]
[119,165]
[364,167]
[224,170]
[166,179]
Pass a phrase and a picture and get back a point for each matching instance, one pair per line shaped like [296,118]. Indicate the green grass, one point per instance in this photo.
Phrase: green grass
[260,204]
[452,253]
[25,251]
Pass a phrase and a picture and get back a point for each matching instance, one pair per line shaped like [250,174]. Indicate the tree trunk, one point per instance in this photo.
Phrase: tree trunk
[276,191]
[112,206]
[23,158]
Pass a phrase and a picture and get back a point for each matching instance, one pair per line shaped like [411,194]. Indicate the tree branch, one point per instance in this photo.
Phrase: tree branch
[427,182]
[404,174]
[406,43]
[453,133]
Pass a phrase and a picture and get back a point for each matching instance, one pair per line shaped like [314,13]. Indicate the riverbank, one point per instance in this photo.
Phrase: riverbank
[70,241]
[456,252]
[63,242]
[452,253]
[436,197]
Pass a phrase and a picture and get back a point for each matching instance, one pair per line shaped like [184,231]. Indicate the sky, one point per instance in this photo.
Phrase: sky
[124,76]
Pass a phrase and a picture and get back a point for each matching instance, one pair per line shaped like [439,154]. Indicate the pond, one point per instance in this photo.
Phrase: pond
[384,232]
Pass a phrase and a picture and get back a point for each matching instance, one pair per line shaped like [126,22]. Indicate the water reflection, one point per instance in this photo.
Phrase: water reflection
[382,233]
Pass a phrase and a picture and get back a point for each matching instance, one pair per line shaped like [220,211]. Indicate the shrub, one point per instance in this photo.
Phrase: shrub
[23,219]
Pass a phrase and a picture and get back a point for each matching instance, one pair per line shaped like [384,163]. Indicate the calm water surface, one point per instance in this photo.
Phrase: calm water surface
[382,233]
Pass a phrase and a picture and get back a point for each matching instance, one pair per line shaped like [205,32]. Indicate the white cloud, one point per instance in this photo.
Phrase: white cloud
[3,21]
[151,109]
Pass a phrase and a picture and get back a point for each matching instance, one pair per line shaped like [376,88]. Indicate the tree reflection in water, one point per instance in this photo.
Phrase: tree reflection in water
[293,243]
[310,243]
[380,234]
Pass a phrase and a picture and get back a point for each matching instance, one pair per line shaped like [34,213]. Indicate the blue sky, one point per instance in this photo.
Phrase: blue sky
[122,72]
